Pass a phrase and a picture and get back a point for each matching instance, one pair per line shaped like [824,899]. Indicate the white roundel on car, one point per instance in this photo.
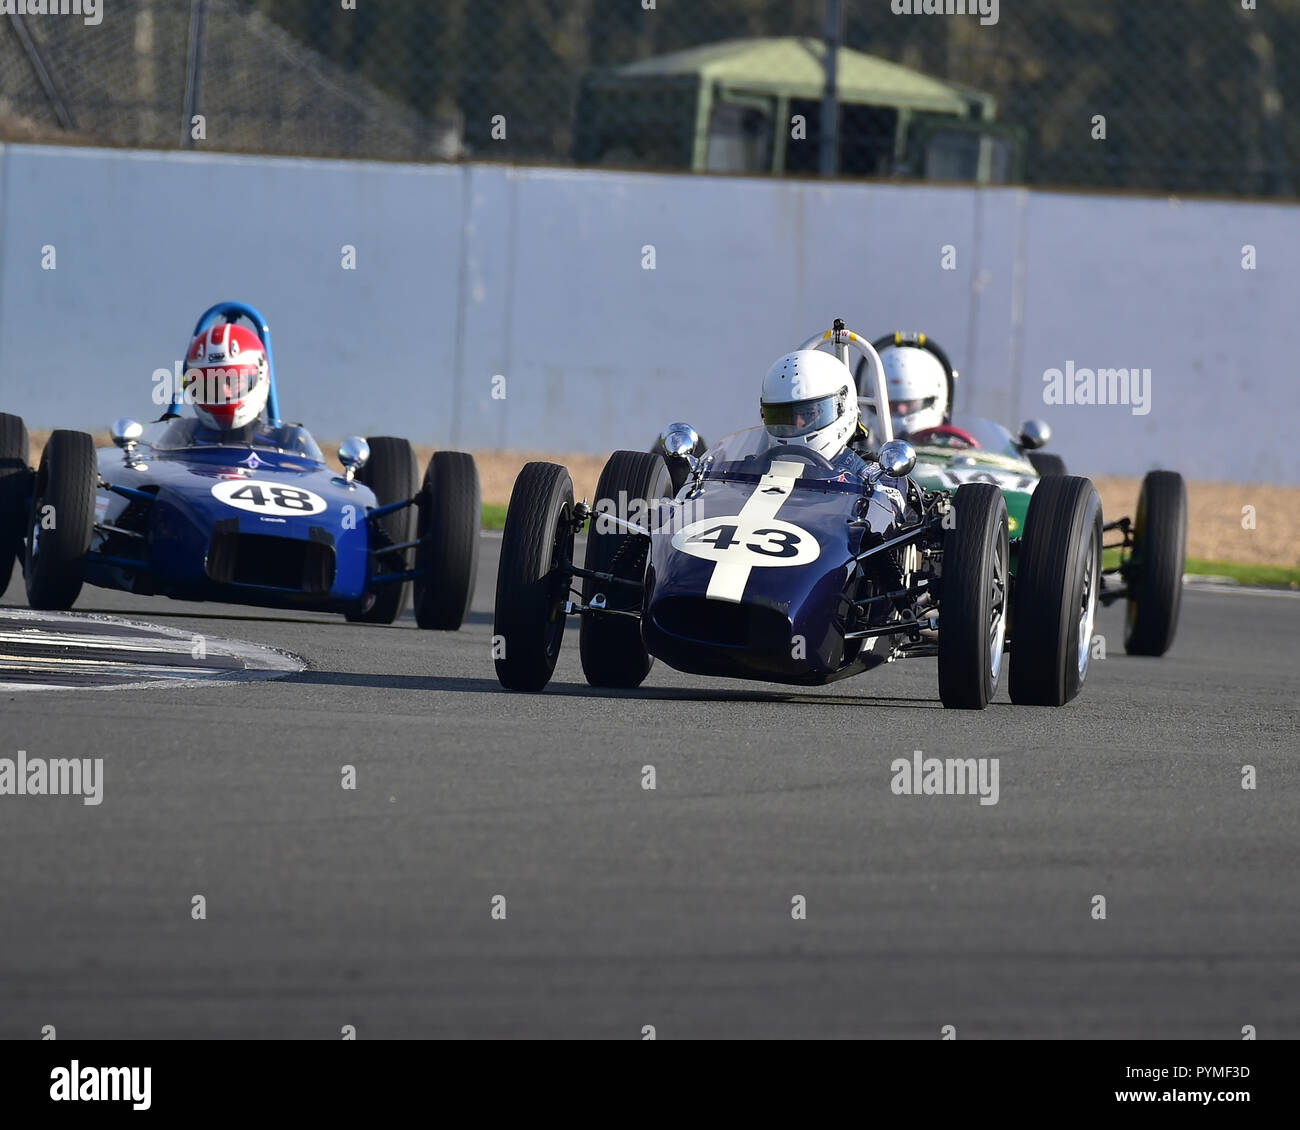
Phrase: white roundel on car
[260,497]
[740,540]
[955,475]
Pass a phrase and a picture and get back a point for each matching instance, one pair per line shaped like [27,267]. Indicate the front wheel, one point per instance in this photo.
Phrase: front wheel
[532,583]
[61,521]
[450,514]
[1154,573]
[1057,581]
[973,605]
[631,486]
[393,474]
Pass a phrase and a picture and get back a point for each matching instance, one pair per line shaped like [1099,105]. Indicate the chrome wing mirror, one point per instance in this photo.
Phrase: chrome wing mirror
[353,453]
[897,458]
[126,433]
[1034,434]
[679,441]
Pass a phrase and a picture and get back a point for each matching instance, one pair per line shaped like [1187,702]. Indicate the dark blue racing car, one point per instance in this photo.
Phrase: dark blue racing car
[232,504]
[796,562]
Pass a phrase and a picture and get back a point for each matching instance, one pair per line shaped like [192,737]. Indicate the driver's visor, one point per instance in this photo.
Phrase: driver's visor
[221,384]
[800,417]
[907,407]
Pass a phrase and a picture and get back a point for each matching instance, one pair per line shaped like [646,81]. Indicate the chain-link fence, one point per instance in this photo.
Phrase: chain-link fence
[1162,95]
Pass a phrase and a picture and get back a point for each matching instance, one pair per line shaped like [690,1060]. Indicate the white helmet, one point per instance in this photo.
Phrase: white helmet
[809,399]
[918,389]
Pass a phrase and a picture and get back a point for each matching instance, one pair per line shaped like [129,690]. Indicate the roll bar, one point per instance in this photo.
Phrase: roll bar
[842,339]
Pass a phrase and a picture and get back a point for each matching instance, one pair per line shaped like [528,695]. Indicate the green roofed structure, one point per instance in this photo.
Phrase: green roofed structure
[754,106]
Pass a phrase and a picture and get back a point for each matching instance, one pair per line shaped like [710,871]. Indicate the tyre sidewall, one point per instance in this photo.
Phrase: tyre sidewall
[1090,526]
[449,518]
[66,482]
[965,659]
[612,647]
[1155,600]
[391,474]
[1045,639]
[530,619]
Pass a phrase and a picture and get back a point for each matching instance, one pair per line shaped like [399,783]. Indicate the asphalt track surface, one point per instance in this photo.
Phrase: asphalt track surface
[627,907]
[41,650]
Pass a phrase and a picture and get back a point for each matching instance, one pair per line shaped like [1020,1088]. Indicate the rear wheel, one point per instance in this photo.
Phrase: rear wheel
[1155,571]
[1045,463]
[613,652]
[973,607]
[15,492]
[61,521]
[450,514]
[532,589]
[393,474]
[1057,581]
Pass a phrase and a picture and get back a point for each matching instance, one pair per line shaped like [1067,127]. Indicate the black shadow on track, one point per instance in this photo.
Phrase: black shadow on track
[580,690]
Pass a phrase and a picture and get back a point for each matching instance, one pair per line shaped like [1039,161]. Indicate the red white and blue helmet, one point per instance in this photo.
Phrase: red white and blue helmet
[226,376]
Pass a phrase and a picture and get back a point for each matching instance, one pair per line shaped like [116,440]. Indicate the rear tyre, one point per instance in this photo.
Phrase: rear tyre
[393,474]
[15,492]
[1045,463]
[973,607]
[613,652]
[1155,571]
[528,628]
[450,514]
[61,521]
[1055,599]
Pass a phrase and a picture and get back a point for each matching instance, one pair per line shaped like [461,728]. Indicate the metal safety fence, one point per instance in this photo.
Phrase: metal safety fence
[1143,95]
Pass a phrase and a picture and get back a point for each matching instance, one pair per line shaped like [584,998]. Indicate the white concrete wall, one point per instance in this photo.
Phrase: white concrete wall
[467,272]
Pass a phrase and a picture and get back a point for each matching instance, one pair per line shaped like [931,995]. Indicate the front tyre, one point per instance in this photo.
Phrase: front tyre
[1154,573]
[630,486]
[1057,582]
[974,602]
[61,521]
[392,474]
[450,514]
[532,585]
[15,492]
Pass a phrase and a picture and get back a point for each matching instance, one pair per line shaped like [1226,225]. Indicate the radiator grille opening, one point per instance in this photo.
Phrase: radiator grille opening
[271,562]
[723,623]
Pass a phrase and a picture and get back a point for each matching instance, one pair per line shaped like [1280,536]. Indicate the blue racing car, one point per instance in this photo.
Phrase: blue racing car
[786,555]
[232,504]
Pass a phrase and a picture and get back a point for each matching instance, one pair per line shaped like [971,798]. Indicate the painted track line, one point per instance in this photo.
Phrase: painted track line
[93,651]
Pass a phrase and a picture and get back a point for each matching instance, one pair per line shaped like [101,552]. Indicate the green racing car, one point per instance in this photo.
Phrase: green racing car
[1141,563]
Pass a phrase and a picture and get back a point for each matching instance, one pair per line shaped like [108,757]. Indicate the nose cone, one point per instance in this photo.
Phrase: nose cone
[752,598]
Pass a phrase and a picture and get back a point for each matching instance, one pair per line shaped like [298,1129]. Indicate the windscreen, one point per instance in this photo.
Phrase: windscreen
[992,437]
[187,432]
[750,453]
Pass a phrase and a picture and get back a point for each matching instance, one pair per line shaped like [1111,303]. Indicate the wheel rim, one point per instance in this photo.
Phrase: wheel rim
[998,613]
[1088,606]
[558,617]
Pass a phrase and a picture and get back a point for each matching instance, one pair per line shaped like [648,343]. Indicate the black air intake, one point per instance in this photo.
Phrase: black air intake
[722,623]
[264,561]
